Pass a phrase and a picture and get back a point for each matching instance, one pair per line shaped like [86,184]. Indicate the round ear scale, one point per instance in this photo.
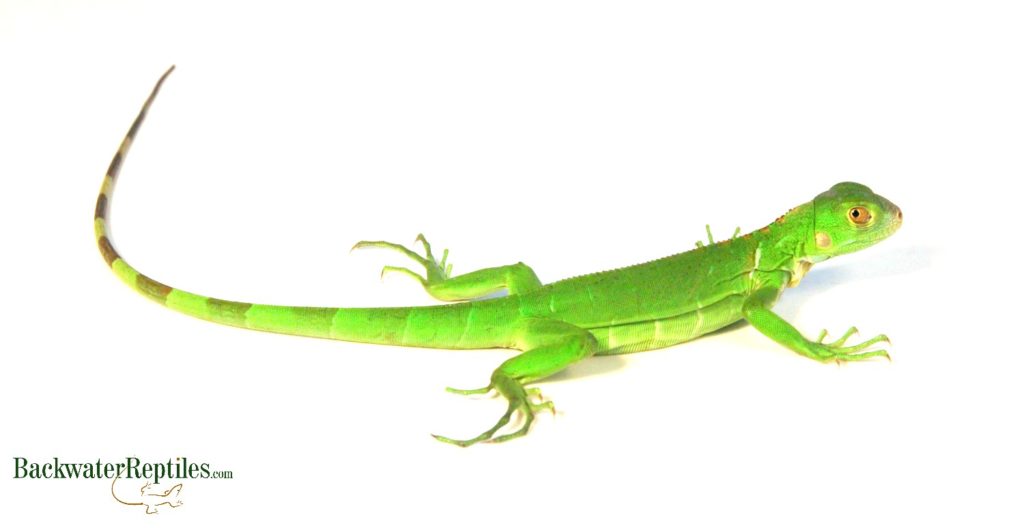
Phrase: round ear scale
[859,215]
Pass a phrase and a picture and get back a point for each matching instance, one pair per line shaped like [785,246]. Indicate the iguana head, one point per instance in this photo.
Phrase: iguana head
[849,217]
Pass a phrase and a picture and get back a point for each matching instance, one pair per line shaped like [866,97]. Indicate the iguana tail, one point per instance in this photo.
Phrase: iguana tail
[118,499]
[444,326]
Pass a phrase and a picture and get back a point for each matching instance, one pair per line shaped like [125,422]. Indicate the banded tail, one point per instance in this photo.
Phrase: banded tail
[429,326]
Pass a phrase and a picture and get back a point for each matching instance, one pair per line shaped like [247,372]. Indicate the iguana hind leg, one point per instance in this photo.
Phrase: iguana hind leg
[439,283]
[550,347]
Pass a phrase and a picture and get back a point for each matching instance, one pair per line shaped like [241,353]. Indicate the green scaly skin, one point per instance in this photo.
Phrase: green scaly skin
[643,307]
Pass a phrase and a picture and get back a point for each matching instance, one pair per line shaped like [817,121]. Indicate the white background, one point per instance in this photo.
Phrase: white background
[573,136]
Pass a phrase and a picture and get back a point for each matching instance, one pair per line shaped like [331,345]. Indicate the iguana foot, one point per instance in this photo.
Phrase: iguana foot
[519,399]
[437,272]
[836,351]
[439,283]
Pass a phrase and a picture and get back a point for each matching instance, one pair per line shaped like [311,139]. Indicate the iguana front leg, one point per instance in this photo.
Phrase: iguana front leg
[757,312]
[549,346]
[516,278]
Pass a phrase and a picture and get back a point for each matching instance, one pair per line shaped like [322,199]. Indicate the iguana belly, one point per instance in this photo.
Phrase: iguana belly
[659,333]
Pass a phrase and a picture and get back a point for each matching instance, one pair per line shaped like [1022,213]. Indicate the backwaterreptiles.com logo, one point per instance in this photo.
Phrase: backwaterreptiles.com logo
[151,494]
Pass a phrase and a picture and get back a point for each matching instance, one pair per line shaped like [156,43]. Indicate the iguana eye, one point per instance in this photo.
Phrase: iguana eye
[859,215]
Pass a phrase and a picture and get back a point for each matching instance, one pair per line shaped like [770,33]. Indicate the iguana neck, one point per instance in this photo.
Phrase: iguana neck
[783,243]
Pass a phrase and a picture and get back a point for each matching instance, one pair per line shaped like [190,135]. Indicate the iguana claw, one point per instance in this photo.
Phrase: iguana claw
[836,351]
[465,392]
[711,239]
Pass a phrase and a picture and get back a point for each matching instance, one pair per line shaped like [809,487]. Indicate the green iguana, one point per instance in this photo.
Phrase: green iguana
[643,307]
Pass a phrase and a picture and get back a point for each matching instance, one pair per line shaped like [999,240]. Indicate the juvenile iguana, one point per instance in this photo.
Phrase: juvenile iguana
[651,305]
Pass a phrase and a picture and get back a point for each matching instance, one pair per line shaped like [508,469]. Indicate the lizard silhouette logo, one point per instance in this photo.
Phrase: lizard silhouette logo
[149,496]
